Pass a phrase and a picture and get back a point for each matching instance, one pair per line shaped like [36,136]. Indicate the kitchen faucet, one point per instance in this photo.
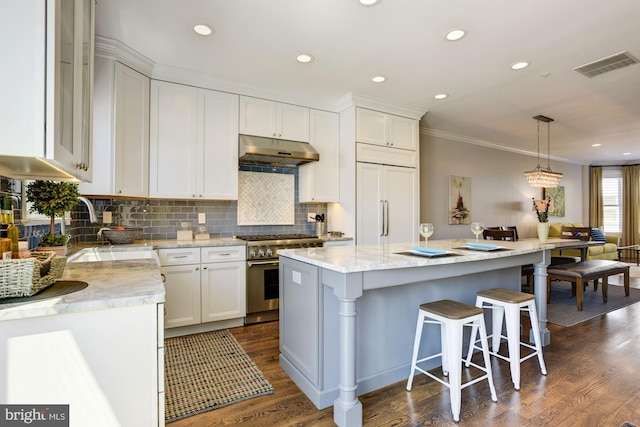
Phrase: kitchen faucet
[92,211]
[92,214]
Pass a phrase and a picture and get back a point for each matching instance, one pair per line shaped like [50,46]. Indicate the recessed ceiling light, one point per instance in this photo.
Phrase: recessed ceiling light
[455,34]
[596,145]
[378,79]
[304,58]
[441,96]
[626,154]
[369,2]
[203,29]
[520,65]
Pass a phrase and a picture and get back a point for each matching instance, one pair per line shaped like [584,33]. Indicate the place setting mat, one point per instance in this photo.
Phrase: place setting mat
[482,247]
[425,252]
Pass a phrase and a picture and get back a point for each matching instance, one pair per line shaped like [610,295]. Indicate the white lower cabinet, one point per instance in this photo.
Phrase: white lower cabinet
[203,284]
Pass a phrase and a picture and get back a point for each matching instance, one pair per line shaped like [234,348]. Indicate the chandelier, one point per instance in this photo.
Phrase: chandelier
[540,177]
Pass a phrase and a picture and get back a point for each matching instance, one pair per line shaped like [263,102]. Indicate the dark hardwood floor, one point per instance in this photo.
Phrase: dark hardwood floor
[593,380]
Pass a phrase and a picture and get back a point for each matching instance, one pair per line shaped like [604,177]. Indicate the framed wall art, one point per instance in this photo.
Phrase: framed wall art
[557,197]
[459,200]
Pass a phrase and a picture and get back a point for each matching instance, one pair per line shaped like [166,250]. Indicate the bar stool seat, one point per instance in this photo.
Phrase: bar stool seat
[508,304]
[452,316]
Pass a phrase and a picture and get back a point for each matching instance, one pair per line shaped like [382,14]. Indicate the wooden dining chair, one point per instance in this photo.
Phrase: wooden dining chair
[580,233]
[493,234]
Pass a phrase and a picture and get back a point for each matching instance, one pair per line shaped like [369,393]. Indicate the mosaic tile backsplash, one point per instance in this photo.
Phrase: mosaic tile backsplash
[266,198]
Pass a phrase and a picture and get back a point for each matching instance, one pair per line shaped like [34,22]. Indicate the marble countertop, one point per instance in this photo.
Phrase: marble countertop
[160,244]
[350,259]
[112,284]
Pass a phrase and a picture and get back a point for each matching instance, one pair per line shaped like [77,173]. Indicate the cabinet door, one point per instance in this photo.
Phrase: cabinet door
[370,204]
[293,122]
[403,132]
[182,286]
[371,127]
[85,113]
[257,117]
[67,81]
[320,181]
[131,133]
[401,193]
[217,145]
[173,140]
[223,291]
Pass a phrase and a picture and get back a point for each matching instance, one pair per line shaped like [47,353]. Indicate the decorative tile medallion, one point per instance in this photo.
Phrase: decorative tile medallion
[266,198]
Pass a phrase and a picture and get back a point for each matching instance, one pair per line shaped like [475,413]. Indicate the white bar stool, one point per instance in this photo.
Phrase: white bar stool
[508,304]
[452,316]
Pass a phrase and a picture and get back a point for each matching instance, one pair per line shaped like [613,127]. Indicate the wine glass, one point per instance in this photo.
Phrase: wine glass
[426,230]
[477,228]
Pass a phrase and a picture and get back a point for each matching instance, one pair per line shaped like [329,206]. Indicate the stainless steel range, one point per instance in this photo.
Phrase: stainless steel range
[262,271]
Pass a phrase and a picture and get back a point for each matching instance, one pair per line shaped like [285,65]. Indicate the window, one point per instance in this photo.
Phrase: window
[612,200]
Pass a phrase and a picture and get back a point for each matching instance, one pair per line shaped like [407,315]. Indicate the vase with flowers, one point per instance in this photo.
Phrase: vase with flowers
[543,218]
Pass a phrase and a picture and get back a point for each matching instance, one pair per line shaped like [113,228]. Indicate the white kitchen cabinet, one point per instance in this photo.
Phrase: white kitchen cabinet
[374,127]
[131,133]
[272,119]
[121,103]
[319,182]
[388,210]
[193,143]
[47,124]
[105,364]
[203,284]
[180,270]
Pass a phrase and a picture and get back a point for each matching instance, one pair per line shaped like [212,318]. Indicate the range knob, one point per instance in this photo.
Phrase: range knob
[252,253]
[269,252]
[260,253]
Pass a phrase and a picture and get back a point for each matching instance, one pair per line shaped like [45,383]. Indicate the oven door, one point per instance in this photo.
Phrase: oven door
[262,286]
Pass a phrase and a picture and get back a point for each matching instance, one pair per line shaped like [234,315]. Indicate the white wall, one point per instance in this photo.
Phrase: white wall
[500,194]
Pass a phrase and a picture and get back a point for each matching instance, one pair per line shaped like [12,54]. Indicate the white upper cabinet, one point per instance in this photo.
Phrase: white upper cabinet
[217,145]
[272,119]
[131,133]
[374,127]
[121,132]
[193,143]
[319,182]
[47,123]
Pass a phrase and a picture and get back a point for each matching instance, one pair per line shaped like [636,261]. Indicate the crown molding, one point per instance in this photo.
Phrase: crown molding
[353,99]
[483,143]
[114,49]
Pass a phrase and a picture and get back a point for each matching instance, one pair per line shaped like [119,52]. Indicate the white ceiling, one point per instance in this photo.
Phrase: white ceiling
[256,41]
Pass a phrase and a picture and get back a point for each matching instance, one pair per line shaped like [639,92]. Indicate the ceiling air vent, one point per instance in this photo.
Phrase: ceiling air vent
[610,63]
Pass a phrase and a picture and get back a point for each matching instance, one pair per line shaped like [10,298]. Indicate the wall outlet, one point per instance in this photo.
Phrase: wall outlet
[202,218]
[311,217]
[107,217]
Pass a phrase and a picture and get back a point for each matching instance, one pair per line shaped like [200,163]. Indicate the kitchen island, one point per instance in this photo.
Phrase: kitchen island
[347,314]
[98,350]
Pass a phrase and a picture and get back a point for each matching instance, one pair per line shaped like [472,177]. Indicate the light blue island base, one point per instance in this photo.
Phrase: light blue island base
[346,331]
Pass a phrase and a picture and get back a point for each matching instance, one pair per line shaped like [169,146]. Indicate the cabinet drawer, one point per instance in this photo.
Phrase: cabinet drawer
[179,256]
[386,156]
[223,253]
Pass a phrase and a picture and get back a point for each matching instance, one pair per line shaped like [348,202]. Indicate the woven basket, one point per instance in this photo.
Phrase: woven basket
[28,276]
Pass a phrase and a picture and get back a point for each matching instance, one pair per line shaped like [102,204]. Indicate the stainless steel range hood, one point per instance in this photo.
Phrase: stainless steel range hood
[255,149]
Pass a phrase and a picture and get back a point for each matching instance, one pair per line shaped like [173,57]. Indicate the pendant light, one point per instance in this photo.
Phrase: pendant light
[540,177]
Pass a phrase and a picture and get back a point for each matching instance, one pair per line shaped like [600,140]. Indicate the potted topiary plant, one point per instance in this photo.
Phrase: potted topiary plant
[52,198]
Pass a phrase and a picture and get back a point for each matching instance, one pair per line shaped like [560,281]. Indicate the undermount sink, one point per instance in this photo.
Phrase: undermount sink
[98,255]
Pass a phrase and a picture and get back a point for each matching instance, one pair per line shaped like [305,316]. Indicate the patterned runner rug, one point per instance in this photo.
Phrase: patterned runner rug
[208,371]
